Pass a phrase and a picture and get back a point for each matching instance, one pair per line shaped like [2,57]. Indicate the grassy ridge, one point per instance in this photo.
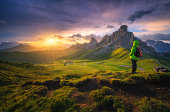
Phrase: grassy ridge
[84,85]
[118,60]
[27,87]
[12,73]
[36,56]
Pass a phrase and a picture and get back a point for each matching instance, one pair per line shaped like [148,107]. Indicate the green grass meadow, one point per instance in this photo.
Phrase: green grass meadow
[85,85]
[119,61]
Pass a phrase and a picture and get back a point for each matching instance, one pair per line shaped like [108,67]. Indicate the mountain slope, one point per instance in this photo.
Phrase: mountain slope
[4,45]
[118,39]
[159,46]
[93,50]
[36,56]
[20,48]
[17,73]
[120,54]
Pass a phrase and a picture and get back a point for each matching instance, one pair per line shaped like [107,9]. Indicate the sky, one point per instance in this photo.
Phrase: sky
[71,21]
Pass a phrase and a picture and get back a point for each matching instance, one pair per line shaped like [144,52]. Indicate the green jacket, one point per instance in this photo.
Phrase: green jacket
[133,50]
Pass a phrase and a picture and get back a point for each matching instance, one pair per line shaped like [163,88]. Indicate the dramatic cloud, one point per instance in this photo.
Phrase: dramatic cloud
[85,38]
[1,21]
[77,35]
[167,6]
[28,20]
[165,37]
[139,14]
[97,26]
[110,26]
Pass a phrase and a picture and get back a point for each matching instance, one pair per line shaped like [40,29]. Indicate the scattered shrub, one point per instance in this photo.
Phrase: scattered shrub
[38,83]
[128,81]
[57,78]
[152,105]
[5,90]
[115,81]
[81,81]
[103,81]
[64,92]
[154,78]
[105,104]
[71,76]
[98,94]
[119,105]
[122,82]
[66,83]
[105,101]
[137,76]
[64,105]
[42,91]
[87,109]
[62,101]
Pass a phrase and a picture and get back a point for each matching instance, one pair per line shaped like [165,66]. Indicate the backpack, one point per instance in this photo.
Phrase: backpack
[138,52]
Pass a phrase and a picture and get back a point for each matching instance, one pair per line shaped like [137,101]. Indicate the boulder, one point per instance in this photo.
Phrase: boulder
[160,69]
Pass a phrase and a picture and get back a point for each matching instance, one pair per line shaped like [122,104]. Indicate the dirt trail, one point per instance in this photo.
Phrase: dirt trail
[161,64]
[130,66]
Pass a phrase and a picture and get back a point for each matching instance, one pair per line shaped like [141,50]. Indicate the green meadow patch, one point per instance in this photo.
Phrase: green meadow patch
[84,85]
[152,105]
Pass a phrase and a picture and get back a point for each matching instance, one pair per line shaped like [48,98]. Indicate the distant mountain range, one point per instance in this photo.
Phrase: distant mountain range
[20,48]
[28,48]
[159,46]
[4,45]
[121,38]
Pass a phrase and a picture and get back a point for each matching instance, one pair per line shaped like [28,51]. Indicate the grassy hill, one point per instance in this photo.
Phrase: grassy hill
[79,84]
[36,56]
[30,88]
[117,60]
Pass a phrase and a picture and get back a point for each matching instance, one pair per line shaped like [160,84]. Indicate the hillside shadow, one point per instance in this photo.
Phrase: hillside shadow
[134,90]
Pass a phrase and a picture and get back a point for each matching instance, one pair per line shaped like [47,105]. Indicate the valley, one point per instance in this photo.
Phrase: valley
[90,77]
[84,55]
[84,85]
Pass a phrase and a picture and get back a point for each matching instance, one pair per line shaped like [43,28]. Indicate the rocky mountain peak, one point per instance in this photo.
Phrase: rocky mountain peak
[92,43]
[123,28]
[93,40]
[120,38]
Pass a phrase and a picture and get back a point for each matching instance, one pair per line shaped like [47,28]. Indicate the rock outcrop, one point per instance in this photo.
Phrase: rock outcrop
[120,38]
[160,69]
[92,43]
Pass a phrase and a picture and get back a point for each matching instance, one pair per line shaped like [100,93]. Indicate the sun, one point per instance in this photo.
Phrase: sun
[51,41]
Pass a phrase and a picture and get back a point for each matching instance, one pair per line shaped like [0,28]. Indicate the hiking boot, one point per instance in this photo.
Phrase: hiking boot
[133,72]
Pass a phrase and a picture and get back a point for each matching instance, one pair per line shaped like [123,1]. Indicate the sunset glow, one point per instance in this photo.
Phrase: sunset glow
[64,24]
[51,42]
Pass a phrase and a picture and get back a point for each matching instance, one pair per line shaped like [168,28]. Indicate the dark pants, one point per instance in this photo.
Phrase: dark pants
[134,65]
